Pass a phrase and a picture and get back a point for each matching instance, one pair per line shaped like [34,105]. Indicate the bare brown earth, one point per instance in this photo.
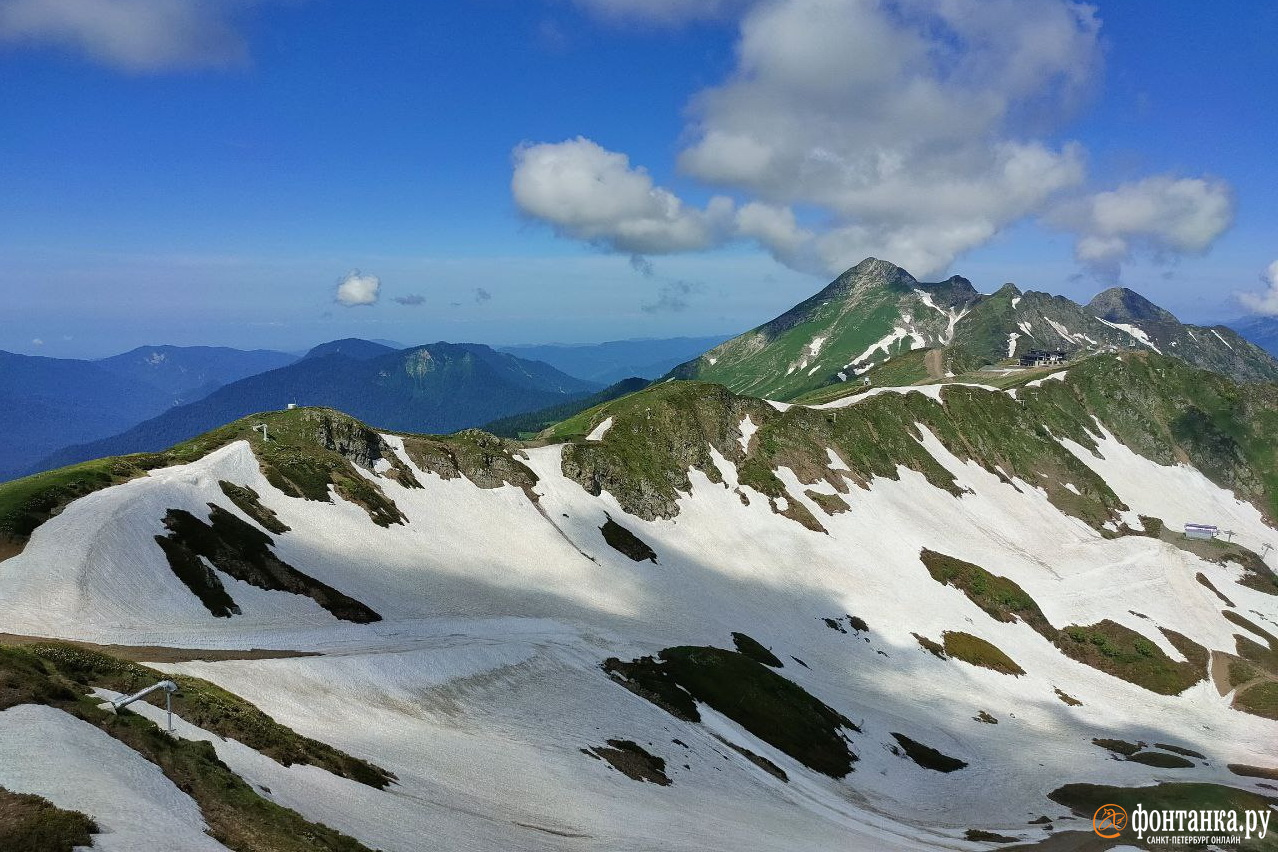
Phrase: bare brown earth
[935,363]
[159,654]
[1220,673]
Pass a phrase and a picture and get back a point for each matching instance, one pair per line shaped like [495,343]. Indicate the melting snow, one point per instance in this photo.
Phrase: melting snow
[1137,333]
[1058,376]
[884,344]
[748,428]
[1221,339]
[1011,344]
[597,434]
[78,767]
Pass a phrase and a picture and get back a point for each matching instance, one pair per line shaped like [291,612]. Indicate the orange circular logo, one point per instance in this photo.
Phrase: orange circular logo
[1109,821]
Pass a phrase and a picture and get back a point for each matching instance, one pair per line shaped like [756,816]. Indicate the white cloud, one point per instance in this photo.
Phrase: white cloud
[592,194]
[913,130]
[357,289]
[1157,215]
[37,342]
[1265,302]
[132,35]
[898,122]
[664,12]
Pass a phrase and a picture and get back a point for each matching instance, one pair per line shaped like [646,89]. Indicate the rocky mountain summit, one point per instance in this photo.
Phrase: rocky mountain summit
[877,311]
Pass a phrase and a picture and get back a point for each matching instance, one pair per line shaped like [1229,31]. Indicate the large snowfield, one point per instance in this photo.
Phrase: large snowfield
[482,685]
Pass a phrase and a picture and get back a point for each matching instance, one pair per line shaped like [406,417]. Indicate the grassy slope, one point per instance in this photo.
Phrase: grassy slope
[32,824]
[767,372]
[524,426]
[1158,406]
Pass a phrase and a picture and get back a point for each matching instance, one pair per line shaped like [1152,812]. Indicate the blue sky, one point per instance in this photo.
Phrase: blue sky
[581,170]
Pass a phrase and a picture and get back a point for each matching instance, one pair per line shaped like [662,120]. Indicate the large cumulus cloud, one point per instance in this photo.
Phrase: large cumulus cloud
[593,194]
[910,129]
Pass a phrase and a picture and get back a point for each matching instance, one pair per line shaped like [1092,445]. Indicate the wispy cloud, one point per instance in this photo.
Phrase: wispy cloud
[1160,216]
[1266,301]
[481,295]
[672,297]
[663,12]
[138,36]
[412,300]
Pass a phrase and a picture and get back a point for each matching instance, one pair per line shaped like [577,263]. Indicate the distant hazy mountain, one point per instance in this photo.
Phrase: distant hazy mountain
[877,311]
[532,422]
[47,403]
[1262,331]
[611,362]
[191,372]
[353,347]
[440,387]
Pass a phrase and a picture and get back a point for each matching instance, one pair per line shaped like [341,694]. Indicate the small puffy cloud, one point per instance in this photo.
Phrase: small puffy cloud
[1159,215]
[132,35]
[672,297]
[412,300]
[590,193]
[37,342]
[358,289]
[1265,302]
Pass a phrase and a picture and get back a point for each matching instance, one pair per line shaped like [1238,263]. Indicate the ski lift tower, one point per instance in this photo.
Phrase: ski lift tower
[169,688]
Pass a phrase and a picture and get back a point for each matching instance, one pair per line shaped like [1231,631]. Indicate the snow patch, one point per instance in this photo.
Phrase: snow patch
[597,434]
[1137,334]
[748,428]
[78,767]
[1058,376]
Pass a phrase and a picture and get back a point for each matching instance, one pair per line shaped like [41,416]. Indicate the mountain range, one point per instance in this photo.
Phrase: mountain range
[958,615]
[1260,330]
[439,387]
[877,311]
[615,360]
[48,403]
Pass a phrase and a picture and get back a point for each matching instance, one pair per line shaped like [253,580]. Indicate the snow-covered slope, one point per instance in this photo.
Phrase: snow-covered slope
[481,685]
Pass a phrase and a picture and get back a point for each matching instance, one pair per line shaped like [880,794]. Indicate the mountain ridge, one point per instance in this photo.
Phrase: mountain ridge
[876,311]
[431,388]
[953,608]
